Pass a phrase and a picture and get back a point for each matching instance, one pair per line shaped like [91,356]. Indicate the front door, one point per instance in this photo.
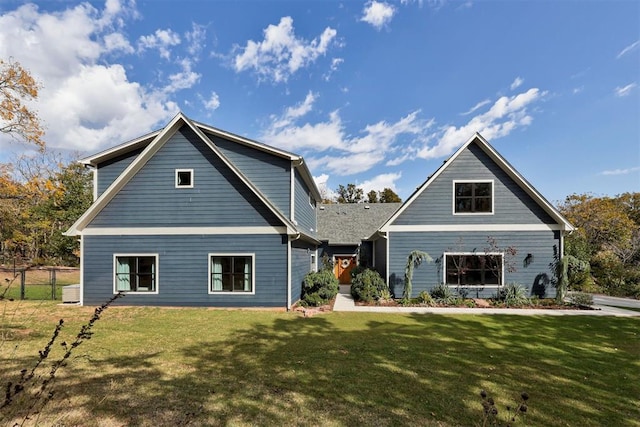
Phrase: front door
[342,268]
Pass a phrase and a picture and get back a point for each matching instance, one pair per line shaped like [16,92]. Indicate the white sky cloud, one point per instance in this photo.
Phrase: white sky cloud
[280,54]
[505,115]
[162,40]
[476,107]
[65,52]
[184,79]
[626,171]
[625,90]
[380,182]
[516,83]
[628,49]
[213,103]
[196,39]
[377,14]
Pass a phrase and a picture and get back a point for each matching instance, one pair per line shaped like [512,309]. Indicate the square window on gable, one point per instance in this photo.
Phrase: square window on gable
[473,197]
[184,178]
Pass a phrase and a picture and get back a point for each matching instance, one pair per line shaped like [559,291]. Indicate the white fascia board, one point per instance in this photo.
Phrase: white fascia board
[175,231]
[473,227]
[301,166]
[115,151]
[133,168]
[245,141]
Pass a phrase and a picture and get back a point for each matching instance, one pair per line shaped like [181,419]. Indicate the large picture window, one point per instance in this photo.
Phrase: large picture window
[473,269]
[231,273]
[473,197]
[136,273]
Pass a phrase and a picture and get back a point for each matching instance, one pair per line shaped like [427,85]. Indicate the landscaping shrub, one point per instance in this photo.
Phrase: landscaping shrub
[368,286]
[580,298]
[513,294]
[443,294]
[425,298]
[319,288]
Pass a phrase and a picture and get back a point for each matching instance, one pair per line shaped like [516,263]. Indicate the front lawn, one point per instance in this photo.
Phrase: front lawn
[155,367]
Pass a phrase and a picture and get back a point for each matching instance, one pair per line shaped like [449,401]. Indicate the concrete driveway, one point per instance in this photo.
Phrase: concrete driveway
[616,302]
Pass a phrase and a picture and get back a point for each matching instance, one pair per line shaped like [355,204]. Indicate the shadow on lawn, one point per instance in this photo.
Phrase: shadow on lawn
[377,370]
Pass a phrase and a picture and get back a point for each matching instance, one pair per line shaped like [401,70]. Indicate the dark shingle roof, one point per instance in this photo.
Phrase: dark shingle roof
[349,223]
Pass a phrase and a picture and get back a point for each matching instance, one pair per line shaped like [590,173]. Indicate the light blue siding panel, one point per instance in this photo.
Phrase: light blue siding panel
[269,173]
[183,269]
[539,244]
[511,204]
[110,170]
[218,197]
[300,266]
[305,213]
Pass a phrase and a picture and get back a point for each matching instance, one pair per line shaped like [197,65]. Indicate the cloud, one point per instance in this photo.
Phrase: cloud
[516,83]
[377,14]
[504,116]
[161,40]
[196,38]
[213,102]
[626,90]
[86,102]
[326,144]
[280,54]
[628,49]
[620,171]
[380,182]
[476,107]
[335,63]
[184,79]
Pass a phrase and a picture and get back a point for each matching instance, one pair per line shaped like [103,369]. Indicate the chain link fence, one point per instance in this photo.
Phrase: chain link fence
[36,283]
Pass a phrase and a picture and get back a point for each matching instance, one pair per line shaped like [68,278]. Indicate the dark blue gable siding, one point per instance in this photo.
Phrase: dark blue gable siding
[305,213]
[111,169]
[218,198]
[300,265]
[269,173]
[511,204]
[183,269]
[539,244]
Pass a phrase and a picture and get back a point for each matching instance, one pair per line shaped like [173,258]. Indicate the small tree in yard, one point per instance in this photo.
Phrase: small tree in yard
[319,288]
[414,259]
[368,286]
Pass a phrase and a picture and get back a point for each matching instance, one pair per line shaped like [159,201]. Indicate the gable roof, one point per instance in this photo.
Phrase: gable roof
[504,165]
[158,141]
[350,223]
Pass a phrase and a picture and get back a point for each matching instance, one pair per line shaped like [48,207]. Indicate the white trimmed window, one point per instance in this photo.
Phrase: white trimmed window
[312,201]
[313,260]
[474,269]
[232,273]
[473,197]
[184,178]
[135,273]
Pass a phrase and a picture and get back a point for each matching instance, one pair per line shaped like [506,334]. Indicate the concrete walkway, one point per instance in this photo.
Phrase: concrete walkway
[344,302]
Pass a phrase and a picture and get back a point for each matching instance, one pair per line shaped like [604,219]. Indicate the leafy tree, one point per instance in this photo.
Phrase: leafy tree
[389,196]
[372,196]
[16,120]
[414,260]
[349,194]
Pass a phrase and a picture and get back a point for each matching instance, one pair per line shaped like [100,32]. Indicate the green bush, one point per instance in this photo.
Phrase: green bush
[580,298]
[319,288]
[425,298]
[368,286]
[443,294]
[513,294]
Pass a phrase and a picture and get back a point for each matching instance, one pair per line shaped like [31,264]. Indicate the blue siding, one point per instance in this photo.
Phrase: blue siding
[183,269]
[218,198]
[300,265]
[380,251]
[305,214]
[511,204]
[269,173]
[537,243]
[110,170]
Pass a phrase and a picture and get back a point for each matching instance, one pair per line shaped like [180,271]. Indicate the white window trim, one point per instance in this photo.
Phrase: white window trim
[476,181]
[157,273]
[313,265]
[226,254]
[312,201]
[192,178]
[444,269]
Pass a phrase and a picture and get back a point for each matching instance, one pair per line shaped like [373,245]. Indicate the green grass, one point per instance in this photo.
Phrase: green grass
[153,366]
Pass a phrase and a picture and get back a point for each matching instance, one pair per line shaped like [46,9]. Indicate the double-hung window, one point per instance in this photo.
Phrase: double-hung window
[472,269]
[136,273]
[231,273]
[473,197]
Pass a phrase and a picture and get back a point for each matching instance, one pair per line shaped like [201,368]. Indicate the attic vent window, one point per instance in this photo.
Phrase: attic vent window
[184,178]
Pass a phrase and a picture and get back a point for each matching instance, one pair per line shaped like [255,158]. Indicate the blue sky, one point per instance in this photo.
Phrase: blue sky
[372,93]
